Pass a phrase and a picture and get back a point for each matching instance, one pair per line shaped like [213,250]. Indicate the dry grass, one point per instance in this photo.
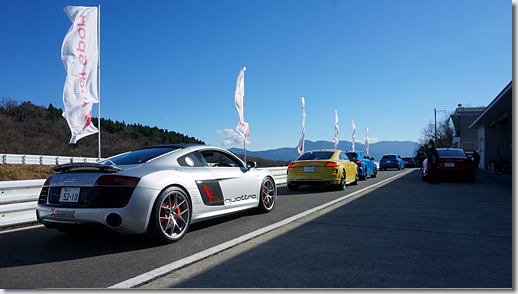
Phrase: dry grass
[15,172]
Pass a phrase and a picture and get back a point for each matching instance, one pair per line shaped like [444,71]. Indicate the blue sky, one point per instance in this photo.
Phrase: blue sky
[386,64]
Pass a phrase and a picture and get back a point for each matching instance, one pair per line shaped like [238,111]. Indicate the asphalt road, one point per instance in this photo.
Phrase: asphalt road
[402,234]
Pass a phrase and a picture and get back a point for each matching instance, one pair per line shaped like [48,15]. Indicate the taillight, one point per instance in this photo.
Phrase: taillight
[358,162]
[332,164]
[117,181]
[47,182]
[291,165]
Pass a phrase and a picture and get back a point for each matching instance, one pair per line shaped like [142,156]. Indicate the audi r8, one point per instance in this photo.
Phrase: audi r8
[322,167]
[158,191]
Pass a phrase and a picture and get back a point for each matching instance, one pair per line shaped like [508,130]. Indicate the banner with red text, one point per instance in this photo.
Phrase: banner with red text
[239,96]
[80,56]
[300,148]
[354,132]
[367,140]
[335,140]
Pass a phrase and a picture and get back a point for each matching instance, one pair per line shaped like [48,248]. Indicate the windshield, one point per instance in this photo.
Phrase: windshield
[316,155]
[352,156]
[389,157]
[452,153]
[137,156]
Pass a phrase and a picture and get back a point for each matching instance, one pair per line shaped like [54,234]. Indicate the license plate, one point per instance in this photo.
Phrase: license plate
[388,161]
[69,194]
[449,164]
[309,169]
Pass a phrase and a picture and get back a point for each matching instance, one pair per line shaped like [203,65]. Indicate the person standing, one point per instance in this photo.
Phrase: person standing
[476,157]
[433,160]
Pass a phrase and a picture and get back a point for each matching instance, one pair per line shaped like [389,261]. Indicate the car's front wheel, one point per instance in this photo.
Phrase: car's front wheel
[268,195]
[171,215]
[375,172]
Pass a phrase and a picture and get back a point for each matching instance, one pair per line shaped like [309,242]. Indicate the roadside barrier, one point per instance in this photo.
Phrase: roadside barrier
[18,199]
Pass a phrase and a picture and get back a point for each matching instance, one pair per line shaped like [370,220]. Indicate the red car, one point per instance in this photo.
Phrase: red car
[452,163]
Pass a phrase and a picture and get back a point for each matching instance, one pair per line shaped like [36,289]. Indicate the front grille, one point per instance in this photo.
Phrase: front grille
[97,197]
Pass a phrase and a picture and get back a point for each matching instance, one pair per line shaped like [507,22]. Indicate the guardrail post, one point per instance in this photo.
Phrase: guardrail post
[24,159]
[4,158]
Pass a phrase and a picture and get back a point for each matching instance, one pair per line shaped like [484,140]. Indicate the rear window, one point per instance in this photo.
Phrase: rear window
[389,157]
[352,156]
[452,153]
[316,155]
[138,156]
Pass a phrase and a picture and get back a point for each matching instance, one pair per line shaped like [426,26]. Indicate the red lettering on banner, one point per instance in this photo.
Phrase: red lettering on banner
[88,119]
[82,59]
[82,24]
[82,36]
[81,46]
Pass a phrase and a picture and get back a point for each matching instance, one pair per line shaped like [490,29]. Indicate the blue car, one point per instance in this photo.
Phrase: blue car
[366,165]
[392,161]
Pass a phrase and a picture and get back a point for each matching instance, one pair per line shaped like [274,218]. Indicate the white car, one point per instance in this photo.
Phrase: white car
[158,190]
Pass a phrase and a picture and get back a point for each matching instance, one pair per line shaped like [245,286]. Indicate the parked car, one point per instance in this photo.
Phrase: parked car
[366,165]
[391,161]
[453,162]
[322,167]
[158,190]
[409,162]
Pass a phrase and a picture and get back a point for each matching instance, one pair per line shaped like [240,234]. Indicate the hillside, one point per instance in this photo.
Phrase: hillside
[30,129]
[376,150]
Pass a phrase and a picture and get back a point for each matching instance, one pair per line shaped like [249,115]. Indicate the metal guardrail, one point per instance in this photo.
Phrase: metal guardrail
[41,159]
[18,199]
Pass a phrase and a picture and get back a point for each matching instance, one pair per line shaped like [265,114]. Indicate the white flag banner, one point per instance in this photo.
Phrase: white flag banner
[300,148]
[367,140]
[354,132]
[239,96]
[80,56]
[335,140]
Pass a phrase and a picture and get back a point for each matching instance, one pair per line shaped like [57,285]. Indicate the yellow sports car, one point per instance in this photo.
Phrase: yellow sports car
[322,167]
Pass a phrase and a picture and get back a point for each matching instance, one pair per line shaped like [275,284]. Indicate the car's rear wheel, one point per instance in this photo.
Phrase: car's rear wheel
[375,172]
[343,182]
[364,175]
[268,195]
[356,178]
[171,215]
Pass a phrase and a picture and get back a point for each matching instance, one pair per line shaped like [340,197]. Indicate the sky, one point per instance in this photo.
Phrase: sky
[386,64]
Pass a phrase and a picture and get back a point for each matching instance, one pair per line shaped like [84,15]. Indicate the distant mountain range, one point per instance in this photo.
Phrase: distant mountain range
[376,150]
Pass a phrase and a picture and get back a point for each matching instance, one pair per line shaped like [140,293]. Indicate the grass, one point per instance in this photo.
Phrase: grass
[15,172]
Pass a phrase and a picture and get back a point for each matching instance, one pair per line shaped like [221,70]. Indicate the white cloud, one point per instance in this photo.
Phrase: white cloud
[231,137]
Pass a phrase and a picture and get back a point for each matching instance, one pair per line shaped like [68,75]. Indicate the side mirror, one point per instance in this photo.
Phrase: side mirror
[372,158]
[251,164]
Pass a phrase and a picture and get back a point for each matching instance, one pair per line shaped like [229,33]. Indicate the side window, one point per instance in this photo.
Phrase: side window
[192,159]
[219,159]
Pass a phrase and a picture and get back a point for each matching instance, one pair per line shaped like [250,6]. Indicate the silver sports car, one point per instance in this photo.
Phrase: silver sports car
[158,190]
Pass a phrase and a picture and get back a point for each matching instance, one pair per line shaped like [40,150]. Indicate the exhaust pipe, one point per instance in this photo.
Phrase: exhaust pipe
[114,220]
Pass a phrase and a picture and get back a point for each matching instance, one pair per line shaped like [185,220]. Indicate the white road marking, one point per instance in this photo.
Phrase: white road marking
[164,270]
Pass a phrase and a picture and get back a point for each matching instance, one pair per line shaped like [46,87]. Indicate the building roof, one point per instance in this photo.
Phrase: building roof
[498,109]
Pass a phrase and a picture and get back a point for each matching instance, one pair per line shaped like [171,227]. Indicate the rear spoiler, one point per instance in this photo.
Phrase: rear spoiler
[67,167]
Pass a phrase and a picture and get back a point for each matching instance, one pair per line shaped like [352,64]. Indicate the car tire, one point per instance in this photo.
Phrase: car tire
[343,182]
[364,174]
[375,174]
[170,216]
[357,178]
[293,187]
[268,195]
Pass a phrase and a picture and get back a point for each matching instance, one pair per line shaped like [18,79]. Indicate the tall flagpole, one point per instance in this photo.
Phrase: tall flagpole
[244,142]
[99,82]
